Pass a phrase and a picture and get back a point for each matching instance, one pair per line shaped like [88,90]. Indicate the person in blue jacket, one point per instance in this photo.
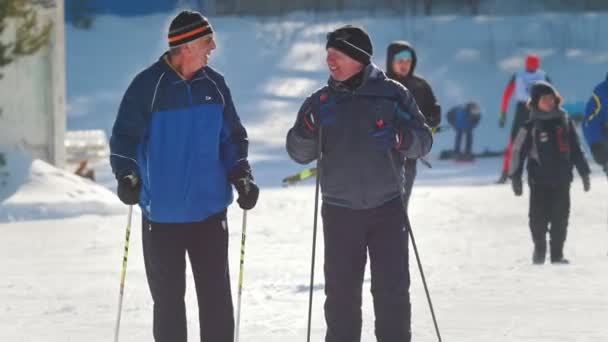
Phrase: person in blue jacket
[177,148]
[464,119]
[595,124]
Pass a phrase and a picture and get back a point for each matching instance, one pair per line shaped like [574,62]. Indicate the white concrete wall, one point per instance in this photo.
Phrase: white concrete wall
[32,96]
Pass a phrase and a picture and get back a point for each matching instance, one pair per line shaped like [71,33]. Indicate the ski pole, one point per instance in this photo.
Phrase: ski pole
[411,234]
[241,275]
[314,231]
[123,274]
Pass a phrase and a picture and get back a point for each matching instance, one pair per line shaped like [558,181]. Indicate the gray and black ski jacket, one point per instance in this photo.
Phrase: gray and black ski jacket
[354,172]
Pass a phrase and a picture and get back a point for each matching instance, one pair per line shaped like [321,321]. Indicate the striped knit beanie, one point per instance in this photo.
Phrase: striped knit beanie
[188,26]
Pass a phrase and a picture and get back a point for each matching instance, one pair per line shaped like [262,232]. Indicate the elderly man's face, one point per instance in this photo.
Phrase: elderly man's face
[200,50]
[341,67]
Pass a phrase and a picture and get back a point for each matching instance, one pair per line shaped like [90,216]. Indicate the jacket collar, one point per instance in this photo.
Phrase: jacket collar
[557,113]
[173,74]
[370,73]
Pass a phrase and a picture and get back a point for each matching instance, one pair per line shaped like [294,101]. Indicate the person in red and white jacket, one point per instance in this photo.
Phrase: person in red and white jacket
[519,88]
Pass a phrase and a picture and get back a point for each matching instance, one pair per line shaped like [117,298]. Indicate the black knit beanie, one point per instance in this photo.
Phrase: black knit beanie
[352,41]
[188,26]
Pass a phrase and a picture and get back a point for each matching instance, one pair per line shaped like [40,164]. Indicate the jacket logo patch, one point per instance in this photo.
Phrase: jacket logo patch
[208,98]
[543,137]
[323,97]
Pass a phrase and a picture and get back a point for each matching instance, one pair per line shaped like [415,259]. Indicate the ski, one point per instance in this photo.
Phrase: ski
[300,176]
[450,154]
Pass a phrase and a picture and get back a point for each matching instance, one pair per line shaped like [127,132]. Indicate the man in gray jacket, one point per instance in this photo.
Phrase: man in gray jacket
[364,122]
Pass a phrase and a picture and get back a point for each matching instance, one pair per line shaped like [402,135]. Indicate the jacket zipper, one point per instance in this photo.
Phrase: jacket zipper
[360,169]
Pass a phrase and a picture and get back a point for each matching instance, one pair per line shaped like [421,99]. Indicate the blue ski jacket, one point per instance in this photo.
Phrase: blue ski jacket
[595,124]
[182,138]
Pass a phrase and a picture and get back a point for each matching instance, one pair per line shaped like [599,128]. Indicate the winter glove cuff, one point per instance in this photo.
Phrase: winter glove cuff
[241,171]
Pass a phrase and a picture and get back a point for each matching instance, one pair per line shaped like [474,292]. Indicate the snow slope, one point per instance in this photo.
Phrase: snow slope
[272,64]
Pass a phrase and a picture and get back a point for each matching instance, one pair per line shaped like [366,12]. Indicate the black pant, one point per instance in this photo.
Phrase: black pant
[349,235]
[468,134]
[165,246]
[411,170]
[549,206]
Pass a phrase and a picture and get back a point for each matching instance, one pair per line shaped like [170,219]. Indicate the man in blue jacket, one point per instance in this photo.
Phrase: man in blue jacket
[595,124]
[177,147]
[367,124]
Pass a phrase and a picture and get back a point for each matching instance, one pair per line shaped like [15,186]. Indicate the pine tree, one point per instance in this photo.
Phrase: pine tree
[30,36]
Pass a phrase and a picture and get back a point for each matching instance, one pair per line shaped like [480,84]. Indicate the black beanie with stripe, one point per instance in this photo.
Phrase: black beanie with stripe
[188,26]
[352,41]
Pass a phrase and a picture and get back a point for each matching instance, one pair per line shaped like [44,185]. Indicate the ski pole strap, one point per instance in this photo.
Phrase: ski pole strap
[426,163]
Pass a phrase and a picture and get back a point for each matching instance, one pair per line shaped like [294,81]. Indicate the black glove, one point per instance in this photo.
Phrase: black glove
[586,183]
[517,186]
[243,182]
[129,187]
[434,119]
[502,121]
[307,124]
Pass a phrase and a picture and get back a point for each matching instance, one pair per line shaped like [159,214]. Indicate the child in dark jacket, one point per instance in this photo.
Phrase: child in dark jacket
[550,143]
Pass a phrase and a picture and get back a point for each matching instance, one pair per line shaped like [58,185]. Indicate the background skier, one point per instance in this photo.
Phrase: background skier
[519,87]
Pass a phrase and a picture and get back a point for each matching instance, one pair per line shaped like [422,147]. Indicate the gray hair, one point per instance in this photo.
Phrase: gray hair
[176,50]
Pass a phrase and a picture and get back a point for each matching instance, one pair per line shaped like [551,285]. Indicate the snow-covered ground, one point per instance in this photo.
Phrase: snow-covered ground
[60,276]
[61,251]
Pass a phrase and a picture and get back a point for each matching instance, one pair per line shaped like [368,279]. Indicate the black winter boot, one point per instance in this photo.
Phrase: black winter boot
[562,261]
[557,253]
[540,251]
